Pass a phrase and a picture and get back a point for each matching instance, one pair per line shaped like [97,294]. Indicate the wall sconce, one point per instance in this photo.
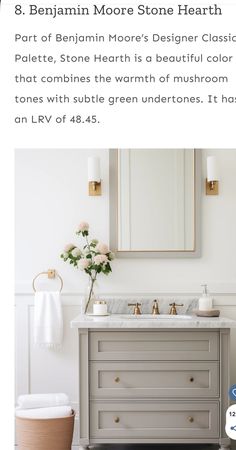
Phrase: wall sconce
[212,183]
[94,175]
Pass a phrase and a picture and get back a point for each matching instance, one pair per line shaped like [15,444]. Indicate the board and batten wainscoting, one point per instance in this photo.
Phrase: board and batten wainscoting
[39,370]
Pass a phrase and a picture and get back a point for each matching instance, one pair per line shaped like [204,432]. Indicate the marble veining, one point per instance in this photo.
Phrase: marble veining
[118,309]
[120,305]
[119,321]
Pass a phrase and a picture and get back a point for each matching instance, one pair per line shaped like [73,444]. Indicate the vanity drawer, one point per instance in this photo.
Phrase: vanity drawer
[154,345]
[154,379]
[154,420]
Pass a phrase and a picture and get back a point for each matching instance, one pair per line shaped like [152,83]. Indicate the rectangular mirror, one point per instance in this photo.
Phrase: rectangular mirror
[154,202]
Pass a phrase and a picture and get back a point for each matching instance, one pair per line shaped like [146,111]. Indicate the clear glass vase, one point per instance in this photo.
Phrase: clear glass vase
[91,295]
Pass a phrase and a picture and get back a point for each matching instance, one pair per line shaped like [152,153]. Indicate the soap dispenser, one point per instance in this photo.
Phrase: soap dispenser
[205,302]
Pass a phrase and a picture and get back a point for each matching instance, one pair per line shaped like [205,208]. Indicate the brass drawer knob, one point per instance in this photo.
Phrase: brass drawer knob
[116,419]
[191,379]
[117,380]
[191,419]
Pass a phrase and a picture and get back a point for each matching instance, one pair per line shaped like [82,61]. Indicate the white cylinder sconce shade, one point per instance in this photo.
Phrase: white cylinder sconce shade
[94,172]
[212,170]
[212,184]
[94,175]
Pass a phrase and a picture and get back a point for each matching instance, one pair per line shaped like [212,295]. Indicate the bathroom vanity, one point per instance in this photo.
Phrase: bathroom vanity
[153,380]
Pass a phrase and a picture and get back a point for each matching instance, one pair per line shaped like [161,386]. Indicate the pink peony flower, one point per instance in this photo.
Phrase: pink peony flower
[69,247]
[100,259]
[102,248]
[83,226]
[83,263]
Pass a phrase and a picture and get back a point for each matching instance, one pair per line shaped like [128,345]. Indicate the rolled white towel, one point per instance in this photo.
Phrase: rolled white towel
[31,401]
[45,413]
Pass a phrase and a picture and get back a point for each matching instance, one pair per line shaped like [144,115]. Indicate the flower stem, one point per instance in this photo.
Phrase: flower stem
[88,244]
[90,292]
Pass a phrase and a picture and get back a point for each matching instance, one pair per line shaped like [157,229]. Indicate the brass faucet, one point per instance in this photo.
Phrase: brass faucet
[155,309]
[173,309]
[137,310]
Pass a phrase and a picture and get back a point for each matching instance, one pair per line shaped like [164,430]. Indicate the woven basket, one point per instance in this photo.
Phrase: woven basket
[45,434]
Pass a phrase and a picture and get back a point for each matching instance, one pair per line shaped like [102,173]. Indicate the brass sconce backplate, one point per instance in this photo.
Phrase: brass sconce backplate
[212,187]
[95,188]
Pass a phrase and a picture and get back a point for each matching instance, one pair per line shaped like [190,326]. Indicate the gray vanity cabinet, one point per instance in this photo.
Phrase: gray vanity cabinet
[142,386]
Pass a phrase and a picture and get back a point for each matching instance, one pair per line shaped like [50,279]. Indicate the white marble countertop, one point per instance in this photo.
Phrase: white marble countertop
[151,322]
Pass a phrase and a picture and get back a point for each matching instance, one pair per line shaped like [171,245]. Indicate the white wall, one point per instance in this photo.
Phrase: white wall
[51,199]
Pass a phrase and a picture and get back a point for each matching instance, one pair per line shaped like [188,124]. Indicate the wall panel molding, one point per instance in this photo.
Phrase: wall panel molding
[224,295]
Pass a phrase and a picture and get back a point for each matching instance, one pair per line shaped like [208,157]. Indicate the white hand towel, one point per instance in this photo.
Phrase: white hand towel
[48,321]
[30,401]
[45,413]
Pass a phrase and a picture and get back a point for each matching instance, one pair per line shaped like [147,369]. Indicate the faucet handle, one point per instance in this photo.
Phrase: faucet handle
[173,309]
[176,304]
[155,308]
[137,310]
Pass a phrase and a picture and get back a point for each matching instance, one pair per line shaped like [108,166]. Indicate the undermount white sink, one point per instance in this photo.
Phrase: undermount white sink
[151,316]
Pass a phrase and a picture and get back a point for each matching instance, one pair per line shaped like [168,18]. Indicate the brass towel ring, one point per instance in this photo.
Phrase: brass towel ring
[51,273]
